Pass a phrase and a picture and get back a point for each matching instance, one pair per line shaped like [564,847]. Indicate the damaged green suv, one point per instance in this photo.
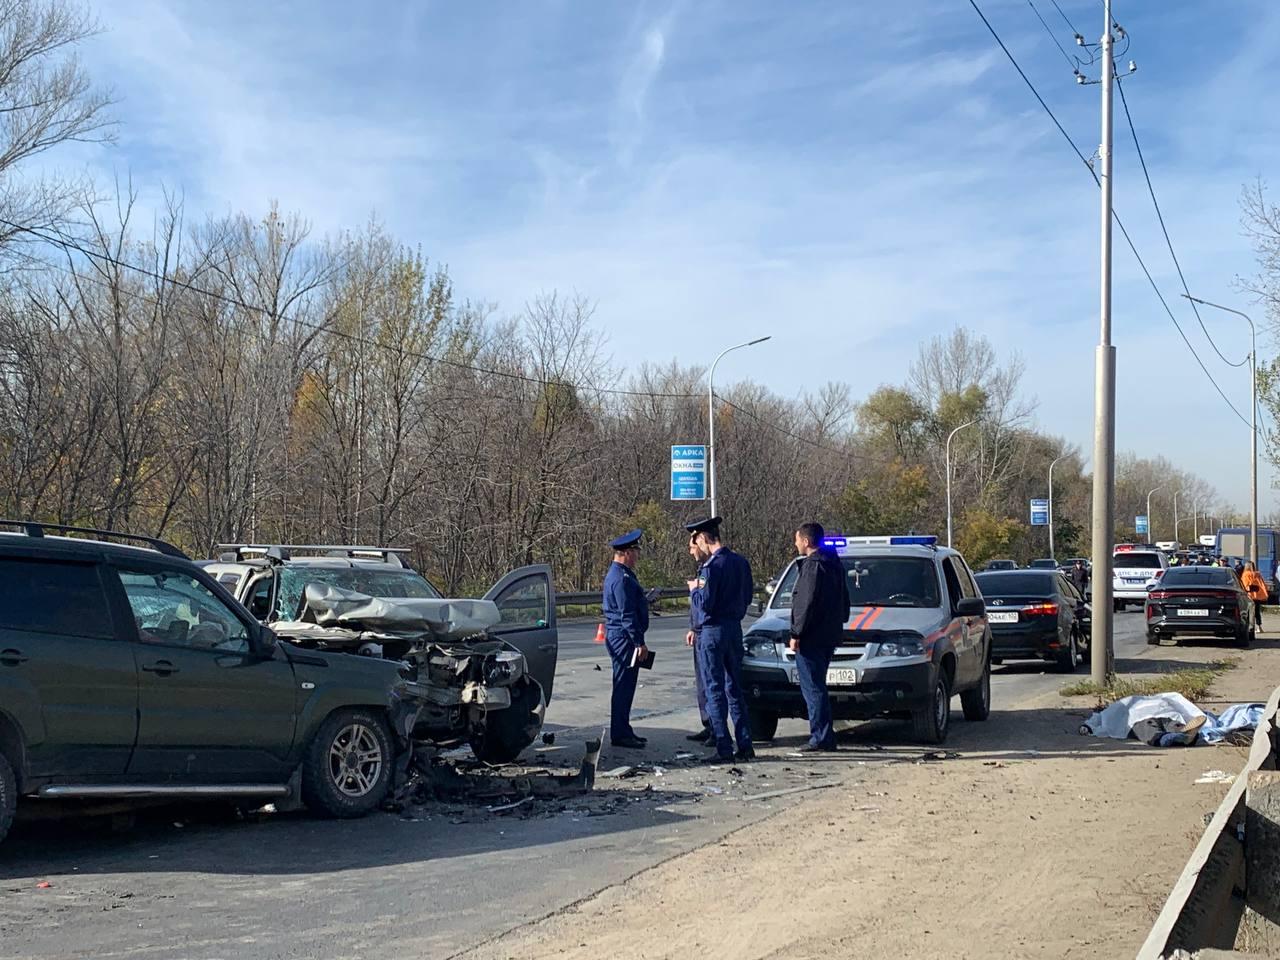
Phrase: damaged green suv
[127,671]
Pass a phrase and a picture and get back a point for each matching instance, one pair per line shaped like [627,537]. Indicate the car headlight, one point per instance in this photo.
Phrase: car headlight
[763,644]
[505,668]
[901,645]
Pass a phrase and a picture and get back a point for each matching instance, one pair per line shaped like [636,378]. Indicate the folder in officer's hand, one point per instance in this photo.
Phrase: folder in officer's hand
[645,662]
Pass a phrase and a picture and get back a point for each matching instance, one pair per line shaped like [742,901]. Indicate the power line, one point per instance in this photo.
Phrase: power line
[67,244]
[1071,26]
[1165,230]
[1073,64]
[1125,233]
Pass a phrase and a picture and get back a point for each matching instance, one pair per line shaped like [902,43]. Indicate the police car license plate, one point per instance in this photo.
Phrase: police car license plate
[1002,616]
[1134,580]
[838,676]
[1193,613]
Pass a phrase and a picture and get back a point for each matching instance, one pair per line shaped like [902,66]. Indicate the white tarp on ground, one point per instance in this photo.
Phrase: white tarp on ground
[1119,718]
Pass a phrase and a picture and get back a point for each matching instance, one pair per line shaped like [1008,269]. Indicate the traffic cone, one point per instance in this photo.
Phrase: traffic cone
[600,634]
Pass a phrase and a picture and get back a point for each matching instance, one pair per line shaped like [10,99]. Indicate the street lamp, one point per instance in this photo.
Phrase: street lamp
[970,423]
[1151,537]
[1253,443]
[1052,553]
[1175,513]
[711,414]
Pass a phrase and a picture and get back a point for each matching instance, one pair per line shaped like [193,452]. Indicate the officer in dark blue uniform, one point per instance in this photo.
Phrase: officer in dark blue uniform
[626,618]
[722,597]
[691,638]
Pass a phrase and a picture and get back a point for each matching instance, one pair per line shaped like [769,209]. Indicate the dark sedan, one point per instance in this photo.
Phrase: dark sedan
[1035,615]
[1200,601]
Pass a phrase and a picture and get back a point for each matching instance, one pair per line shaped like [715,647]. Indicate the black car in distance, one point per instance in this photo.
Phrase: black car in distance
[1035,615]
[1200,601]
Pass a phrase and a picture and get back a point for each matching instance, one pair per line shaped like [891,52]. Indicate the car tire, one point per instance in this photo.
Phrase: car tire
[764,723]
[933,721]
[506,733]
[1153,639]
[1243,637]
[8,796]
[976,703]
[1117,606]
[1067,660]
[347,769]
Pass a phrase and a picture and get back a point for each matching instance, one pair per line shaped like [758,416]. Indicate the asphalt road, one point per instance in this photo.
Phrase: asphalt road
[184,883]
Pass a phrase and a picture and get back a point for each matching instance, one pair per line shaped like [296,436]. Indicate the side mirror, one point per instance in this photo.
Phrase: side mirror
[971,607]
[267,642]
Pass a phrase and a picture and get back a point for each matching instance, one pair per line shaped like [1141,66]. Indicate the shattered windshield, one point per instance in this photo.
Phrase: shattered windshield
[878,582]
[382,582]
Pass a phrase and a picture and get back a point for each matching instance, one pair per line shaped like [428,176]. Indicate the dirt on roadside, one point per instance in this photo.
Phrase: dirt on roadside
[1033,841]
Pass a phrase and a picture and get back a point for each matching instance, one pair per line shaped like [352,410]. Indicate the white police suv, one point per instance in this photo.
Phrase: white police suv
[917,635]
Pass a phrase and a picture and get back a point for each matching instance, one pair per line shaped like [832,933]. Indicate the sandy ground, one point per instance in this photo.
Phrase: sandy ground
[1032,842]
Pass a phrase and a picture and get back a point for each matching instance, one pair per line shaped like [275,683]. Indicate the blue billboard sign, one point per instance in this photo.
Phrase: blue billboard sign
[1039,513]
[689,471]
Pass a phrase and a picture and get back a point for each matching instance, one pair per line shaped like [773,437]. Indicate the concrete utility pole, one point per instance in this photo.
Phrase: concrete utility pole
[1175,513]
[1052,554]
[1253,441]
[1151,533]
[711,415]
[1104,401]
[949,436]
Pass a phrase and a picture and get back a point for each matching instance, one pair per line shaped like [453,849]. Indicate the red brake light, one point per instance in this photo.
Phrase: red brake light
[1159,574]
[1041,609]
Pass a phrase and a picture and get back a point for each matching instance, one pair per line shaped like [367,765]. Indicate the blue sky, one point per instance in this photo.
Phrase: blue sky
[851,177]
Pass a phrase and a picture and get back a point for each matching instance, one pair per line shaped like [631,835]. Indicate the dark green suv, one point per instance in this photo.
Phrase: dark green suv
[127,671]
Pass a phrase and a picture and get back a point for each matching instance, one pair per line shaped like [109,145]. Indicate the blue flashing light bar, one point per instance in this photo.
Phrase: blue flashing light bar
[917,540]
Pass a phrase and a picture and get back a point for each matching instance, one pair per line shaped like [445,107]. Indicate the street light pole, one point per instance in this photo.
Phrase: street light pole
[1104,403]
[1151,536]
[948,456]
[711,415]
[1052,553]
[1253,409]
[1175,513]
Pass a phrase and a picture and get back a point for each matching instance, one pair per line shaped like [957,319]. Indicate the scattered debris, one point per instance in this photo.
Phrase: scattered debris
[597,666]
[510,806]
[548,739]
[1216,776]
[619,773]
[935,755]
[769,794]
[43,885]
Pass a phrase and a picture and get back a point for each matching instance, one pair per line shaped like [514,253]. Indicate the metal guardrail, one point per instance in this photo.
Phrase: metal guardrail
[592,598]
[1214,895]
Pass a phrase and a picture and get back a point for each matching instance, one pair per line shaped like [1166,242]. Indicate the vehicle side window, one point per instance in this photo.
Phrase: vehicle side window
[260,600]
[525,603]
[954,590]
[967,582]
[171,607]
[53,596]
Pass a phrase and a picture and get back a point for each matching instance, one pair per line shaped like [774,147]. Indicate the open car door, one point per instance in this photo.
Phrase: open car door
[526,598]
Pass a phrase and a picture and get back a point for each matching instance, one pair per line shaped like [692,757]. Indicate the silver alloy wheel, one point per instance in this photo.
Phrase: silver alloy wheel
[942,706]
[355,760]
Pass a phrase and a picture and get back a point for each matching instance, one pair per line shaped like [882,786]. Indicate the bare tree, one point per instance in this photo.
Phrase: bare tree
[46,99]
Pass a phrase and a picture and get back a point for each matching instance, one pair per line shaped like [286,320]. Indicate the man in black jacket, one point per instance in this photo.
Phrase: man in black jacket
[819,610]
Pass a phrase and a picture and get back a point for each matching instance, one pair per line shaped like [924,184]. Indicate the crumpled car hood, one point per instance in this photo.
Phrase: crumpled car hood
[329,606]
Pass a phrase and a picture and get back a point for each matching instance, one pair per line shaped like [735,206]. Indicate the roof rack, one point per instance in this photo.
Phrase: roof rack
[37,528]
[279,552]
